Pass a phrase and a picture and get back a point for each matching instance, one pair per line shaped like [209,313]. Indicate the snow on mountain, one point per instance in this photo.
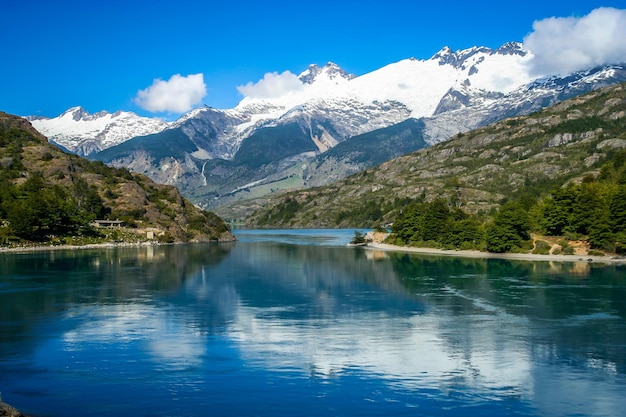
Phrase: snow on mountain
[347,105]
[83,133]
[216,133]
[525,99]
[418,84]
[409,88]
[287,119]
[421,84]
[334,105]
[330,73]
[315,83]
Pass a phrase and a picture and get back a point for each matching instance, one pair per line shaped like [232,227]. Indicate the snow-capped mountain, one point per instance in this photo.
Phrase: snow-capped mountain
[80,132]
[345,104]
[331,72]
[530,97]
[276,136]
[409,88]
[373,148]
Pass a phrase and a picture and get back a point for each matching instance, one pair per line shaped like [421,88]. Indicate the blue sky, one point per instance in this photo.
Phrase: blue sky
[100,55]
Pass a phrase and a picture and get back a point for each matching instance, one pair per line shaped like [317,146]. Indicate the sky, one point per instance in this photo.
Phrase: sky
[162,58]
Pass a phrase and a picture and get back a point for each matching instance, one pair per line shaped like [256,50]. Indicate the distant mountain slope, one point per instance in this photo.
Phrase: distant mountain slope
[285,137]
[528,98]
[532,97]
[328,122]
[477,169]
[82,133]
[46,194]
[364,151]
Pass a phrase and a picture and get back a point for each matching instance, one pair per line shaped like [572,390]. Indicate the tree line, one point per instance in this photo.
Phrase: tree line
[36,210]
[593,209]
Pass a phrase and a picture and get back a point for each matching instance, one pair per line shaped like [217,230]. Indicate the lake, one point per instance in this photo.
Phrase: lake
[294,323]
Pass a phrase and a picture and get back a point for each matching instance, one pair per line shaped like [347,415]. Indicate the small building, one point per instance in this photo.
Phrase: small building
[110,224]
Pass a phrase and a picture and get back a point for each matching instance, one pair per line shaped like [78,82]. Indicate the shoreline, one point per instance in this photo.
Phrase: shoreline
[105,245]
[371,245]
[488,255]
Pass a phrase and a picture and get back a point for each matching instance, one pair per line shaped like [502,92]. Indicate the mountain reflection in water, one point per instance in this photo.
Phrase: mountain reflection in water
[300,324]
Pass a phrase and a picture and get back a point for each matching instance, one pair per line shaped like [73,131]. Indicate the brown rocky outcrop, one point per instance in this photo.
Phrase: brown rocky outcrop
[7,411]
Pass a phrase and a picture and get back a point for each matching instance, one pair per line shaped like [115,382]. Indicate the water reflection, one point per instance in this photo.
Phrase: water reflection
[532,338]
[40,285]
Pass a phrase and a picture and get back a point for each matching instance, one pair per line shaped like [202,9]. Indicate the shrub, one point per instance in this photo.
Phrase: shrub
[541,248]
[359,238]
[566,248]
[166,238]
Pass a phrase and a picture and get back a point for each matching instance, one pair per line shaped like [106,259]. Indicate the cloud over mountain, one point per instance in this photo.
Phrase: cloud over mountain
[565,44]
[177,95]
[272,85]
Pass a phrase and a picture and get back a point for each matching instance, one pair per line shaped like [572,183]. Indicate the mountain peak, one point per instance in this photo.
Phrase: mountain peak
[330,71]
[78,113]
[83,133]
[446,50]
[460,58]
[447,56]
[511,48]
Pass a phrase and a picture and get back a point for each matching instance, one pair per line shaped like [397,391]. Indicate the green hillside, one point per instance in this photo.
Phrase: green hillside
[48,196]
[576,146]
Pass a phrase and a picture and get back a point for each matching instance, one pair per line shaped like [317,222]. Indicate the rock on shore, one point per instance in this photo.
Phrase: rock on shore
[7,411]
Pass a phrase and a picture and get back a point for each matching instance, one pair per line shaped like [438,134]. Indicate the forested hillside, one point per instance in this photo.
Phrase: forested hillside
[557,172]
[47,195]
[593,211]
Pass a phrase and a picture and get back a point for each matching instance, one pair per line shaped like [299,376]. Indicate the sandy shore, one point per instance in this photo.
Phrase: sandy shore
[489,255]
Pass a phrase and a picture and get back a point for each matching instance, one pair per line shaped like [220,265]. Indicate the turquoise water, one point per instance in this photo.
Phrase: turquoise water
[294,323]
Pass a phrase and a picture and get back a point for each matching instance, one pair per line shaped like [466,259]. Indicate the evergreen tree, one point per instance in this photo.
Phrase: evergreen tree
[501,239]
[601,237]
[510,227]
[589,207]
[617,209]
[435,222]
[557,210]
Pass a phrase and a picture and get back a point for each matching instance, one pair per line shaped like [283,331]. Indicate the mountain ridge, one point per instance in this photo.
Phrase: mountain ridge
[450,93]
[478,169]
[321,84]
[83,133]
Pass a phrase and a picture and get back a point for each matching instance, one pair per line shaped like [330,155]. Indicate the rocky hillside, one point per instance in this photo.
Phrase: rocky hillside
[49,195]
[476,170]
[267,144]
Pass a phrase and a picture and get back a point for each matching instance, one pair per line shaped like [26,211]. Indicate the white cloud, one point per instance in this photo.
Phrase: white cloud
[272,85]
[565,44]
[177,95]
